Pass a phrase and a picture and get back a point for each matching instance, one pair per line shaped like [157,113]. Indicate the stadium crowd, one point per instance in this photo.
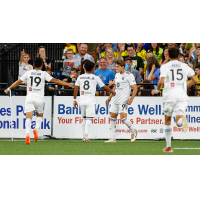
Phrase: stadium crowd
[143,60]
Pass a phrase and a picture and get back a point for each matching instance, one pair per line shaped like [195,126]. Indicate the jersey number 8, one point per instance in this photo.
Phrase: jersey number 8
[86,85]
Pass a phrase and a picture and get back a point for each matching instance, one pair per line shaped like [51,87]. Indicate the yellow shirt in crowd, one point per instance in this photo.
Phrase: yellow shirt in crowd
[73,47]
[143,55]
[124,53]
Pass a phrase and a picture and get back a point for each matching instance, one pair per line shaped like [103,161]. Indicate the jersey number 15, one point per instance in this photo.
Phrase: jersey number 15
[178,72]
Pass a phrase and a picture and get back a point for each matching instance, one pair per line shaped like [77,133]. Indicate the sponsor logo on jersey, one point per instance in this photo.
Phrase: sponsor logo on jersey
[30,88]
[82,93]
[172,84]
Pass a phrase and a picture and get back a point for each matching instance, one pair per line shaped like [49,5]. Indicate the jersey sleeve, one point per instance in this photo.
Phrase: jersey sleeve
[190,71]
[77,82]
[131,79]
[163,72]
[24,77]
[99,82]
[47,77]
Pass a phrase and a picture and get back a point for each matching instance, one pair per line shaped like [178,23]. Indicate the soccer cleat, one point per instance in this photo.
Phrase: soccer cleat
[169,149]
[28,139]
[134,136]
[35,132]
[84,140]
[184,125]
[110,140]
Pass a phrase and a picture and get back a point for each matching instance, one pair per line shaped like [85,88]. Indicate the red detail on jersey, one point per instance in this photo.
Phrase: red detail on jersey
[172,84]
[30,89]
[82,93]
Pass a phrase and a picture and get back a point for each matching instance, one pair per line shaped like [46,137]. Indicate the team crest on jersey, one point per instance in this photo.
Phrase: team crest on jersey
[122,78]
[30,88]
[29,67]
[82,93]
[172,84]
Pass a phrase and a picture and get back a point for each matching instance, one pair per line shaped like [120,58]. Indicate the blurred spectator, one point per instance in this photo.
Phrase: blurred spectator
[107,45]
[157,51]
[110,59]
[24,66]
[141,52]
[188,46]
[82,55]
[49,84]
[69,63]
[105,74]
[182,59]
[165,57]
[92,50]
[99,48]
[196,60]
[153,70]
[114,46]
[69,46]
[135,72]
[197,70]
[145,87]
[193,54]
[182,49]
[82,71]
[145,46]
[121,47]
[149,54]
[169,45]
[41,52]
[137,62]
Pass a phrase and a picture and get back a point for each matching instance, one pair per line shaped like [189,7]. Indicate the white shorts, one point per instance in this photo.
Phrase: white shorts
[88,110]
[178,107]
[118,108]
[34,104]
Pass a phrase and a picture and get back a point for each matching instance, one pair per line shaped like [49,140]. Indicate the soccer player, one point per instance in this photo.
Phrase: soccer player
[174,76]
[87,83]
[124,82]
[35,95]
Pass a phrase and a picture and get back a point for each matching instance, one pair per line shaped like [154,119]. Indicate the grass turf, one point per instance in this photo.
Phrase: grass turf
[96,147]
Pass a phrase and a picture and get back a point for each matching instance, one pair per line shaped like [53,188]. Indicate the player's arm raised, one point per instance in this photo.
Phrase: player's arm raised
[192,82]
[59,82]
[15,84]
[134,87]
[75,95]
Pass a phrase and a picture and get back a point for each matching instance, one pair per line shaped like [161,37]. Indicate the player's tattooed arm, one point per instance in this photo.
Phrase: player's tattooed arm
[192,82]
[15,84]
[59,82]
[134,87]
[75,95]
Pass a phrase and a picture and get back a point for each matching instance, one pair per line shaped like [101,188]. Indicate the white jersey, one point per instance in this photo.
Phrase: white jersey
[88,84]
[175,84]
[123,84]
[35,82]
[23,68]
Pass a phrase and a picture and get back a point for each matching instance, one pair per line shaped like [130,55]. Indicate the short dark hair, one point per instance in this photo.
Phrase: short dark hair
[38,62]
[89,66]
[173,52]
[83,43]
[120,63]
[130,45]
[198,47]
[197,66]
[128,59]
[74,69]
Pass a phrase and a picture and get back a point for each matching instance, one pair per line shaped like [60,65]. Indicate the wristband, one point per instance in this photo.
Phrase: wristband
[8,89]
[157,91]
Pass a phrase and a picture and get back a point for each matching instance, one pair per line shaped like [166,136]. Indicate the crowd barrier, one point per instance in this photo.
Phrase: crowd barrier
[62,120]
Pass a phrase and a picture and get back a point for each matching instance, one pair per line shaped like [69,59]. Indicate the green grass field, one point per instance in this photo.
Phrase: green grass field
[96,147]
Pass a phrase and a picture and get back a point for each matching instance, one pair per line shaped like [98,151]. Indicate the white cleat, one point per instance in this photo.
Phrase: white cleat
[111,140]
[184,125]
[134,136]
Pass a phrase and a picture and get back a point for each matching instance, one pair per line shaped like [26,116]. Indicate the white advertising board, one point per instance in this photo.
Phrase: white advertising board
[145,114]
[19,118]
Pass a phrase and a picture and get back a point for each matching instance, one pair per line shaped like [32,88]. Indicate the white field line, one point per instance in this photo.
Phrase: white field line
[186,148]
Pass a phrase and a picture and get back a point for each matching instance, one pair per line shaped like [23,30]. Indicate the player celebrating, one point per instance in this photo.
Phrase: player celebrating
[35,95]
[174,76]
[87,83]
[124,81]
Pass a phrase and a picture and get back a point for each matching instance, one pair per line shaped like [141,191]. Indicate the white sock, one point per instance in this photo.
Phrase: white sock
[168,133]
[38,122]
[180,122]
[112,127]
[28,125]
[128,124]
[83,127]
[88,125]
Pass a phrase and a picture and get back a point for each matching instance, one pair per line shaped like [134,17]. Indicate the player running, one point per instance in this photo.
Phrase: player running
[35,95]
[174,76]
[87,83]
[124,82]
